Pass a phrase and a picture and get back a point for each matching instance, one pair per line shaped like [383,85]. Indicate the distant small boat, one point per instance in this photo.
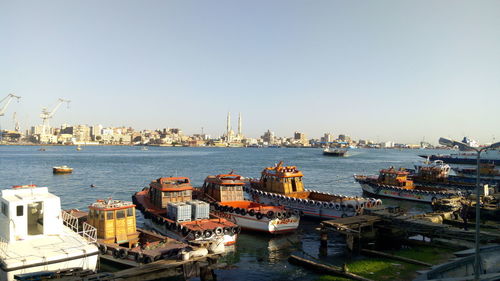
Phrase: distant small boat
[62,170]
[144,148]
[78,148]
[41,149]
[335,152]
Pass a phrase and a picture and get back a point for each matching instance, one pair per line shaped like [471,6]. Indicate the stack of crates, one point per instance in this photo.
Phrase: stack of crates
[179,211]
[200,210]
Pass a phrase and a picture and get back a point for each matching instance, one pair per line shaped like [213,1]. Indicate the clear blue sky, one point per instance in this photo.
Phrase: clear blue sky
[381,70]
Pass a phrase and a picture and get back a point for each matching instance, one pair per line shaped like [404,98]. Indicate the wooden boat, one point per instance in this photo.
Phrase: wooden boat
[396,184]
[62,170]
[165,207]
[335,152]
[119,238]
[282,185]
[36,236]
[225,192]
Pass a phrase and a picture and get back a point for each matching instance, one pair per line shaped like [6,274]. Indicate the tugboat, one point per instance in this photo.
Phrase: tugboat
[395,184]
[437,174]
[282,185]
[62,170]
[335,152]
[120,240]
[225,192]
[487,171]
[168,208]
[36,236]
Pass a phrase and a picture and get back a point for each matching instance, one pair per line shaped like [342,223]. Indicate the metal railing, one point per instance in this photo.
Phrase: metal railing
[3,247]
[86,230]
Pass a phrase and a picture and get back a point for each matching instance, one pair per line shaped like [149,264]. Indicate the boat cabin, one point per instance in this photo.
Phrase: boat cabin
[435,171]
[395,177]
[282,179]
[115,221]
[169,190]
[29,211]
[223,188]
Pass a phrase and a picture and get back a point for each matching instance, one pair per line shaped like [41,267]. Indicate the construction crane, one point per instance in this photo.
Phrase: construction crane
[3,108]
[46,115]
[8,99]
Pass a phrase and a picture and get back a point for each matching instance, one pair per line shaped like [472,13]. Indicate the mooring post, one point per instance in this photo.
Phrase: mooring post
[207,274]
[323,247]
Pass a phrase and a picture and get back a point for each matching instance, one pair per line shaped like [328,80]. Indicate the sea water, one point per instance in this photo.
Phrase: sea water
[118,171]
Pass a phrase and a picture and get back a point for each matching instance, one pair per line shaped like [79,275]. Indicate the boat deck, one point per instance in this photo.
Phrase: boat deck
[45,248]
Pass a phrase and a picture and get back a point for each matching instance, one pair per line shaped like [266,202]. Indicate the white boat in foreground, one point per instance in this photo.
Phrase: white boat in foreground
[36,236]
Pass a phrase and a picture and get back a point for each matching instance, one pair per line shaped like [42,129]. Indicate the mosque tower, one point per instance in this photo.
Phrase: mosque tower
[240,135]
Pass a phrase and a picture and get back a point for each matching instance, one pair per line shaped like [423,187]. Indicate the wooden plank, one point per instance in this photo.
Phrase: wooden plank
[394,257]
[329,269]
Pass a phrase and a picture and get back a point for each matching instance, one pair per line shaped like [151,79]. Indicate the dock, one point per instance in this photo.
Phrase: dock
[394,224]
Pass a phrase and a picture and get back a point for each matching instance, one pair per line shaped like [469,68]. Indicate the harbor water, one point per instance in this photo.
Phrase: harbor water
[119,171]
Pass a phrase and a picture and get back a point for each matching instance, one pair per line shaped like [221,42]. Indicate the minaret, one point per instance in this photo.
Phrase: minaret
[239,125]
[228,125]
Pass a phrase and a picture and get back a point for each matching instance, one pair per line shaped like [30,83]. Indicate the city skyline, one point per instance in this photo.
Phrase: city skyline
[385,70]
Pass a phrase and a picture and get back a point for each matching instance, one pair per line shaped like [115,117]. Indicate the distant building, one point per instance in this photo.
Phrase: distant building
[327,137]
[300,138]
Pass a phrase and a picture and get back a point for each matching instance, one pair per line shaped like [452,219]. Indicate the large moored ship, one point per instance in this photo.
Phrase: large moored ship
[282,185]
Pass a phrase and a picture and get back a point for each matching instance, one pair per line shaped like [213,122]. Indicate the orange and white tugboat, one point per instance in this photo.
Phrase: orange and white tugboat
[168,208]
[225,192]
[119,239]
[282,185]
[395,184]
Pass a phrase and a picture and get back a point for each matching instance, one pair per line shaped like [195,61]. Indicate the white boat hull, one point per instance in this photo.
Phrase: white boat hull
[160,228]
[311,208]
[273,226]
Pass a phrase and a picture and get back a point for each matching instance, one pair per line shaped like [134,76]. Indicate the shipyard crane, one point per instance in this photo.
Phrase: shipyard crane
[8,99]
[46,115]
[3,108]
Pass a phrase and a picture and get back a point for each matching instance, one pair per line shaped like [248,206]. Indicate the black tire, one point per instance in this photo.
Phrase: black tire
[207,233]
[148,259]
[186,231]
[139,258]
[197,234]
[270,214]
[243,212]
[123,253]
[103,249]
[116,253]
[251,212]
[226,230]
[259,215]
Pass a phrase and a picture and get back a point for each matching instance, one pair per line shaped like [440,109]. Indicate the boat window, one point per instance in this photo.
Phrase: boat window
[109,215]
[101,215]
[91,214]
[5,210]
[120,214]
[19,210]
[130,212]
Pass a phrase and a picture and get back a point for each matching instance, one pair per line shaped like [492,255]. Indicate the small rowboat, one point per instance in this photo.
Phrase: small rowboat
[62,170]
